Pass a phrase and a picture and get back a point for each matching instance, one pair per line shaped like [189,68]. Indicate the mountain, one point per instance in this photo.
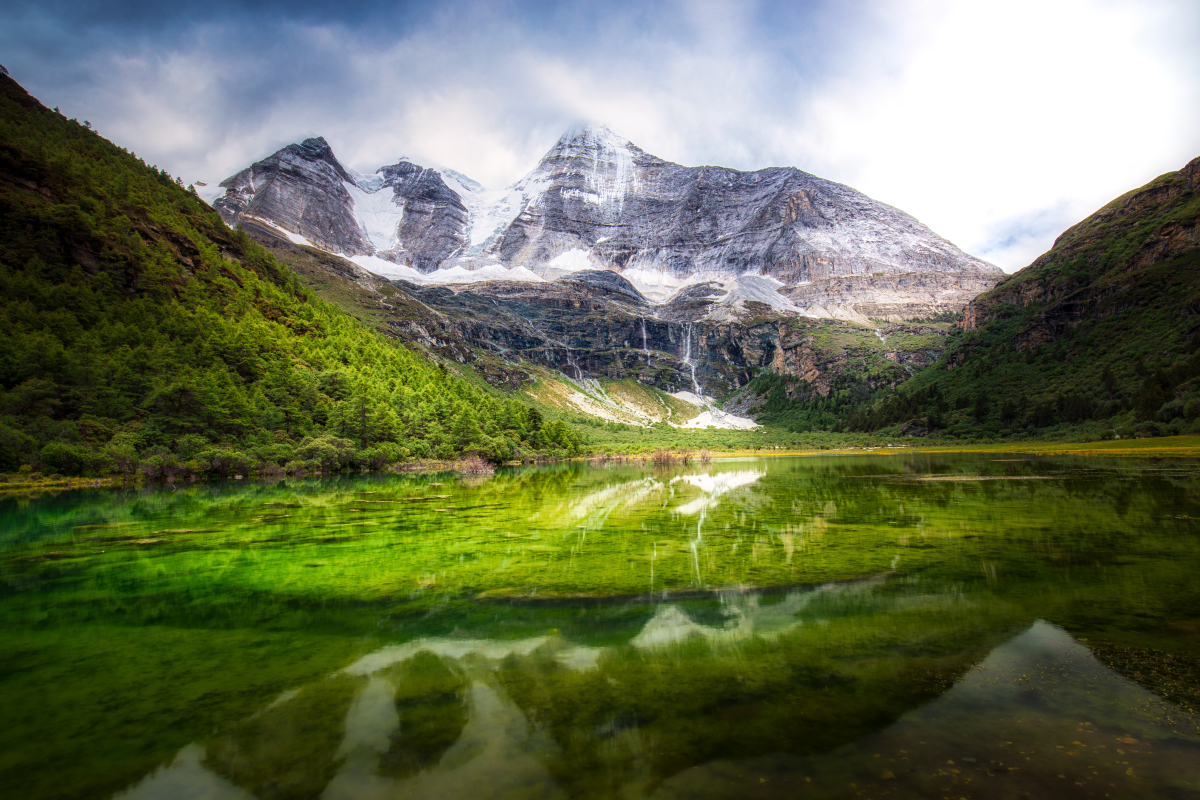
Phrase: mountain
[138,331]
[590,345]
[802,245]
[1100,336]
[403,213]
[607,272]
[601,198]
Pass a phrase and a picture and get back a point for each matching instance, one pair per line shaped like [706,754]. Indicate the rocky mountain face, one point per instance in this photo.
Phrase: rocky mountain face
[302,190]
[664,226]
[802,245]
[404,213]
[595,325]
[607,263]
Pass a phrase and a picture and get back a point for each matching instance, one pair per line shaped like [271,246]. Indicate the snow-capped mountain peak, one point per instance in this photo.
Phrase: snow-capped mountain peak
[596,158]
[597,201]
[593,134]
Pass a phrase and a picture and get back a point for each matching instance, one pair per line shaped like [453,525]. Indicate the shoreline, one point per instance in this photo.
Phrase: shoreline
[1165,447]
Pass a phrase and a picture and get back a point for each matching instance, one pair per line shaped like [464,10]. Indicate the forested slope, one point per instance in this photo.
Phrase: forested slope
[137,331]
[1099,335]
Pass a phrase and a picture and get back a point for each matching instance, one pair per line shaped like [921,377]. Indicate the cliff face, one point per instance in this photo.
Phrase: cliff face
[595,324]
[891,297]
[300,189]
[431,219]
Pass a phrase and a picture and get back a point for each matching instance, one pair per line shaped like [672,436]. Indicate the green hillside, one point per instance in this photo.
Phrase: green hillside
[1098,337]
[137,332]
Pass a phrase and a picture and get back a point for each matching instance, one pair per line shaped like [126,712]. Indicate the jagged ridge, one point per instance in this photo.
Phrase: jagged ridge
[597,201]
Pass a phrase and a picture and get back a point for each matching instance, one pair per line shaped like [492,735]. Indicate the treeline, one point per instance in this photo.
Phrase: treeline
[794,404]
[1162,401]
[138,332]
[1146,400]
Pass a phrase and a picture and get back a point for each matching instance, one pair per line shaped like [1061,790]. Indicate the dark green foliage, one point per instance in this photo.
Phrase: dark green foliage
[945,316]
[1100,335]
[982,406]
[138,332]
[795,405]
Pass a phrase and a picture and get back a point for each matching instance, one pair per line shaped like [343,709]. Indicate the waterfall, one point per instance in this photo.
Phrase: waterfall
[645,349]
[687,359]
[571,362]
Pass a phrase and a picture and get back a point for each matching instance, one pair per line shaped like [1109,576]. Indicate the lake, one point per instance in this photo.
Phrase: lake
[901,625]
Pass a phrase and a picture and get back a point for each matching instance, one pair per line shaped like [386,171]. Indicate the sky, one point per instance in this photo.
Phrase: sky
[998,125]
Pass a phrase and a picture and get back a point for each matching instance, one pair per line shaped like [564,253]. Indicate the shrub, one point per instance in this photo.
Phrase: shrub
[331,452]
[65,458]
[474,465]
[226,463]
[380,455]
[14,445]
[121,455]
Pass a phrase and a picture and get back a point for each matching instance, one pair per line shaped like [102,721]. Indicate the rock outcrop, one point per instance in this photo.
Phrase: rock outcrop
[404,213]
[300,190]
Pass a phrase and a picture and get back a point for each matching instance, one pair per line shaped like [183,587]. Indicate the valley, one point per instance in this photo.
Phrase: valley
[378,423]
[830,354]
[784,312]
[778,272]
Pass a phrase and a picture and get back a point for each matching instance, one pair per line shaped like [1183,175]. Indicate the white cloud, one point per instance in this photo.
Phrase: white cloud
[998,125]
[986,114]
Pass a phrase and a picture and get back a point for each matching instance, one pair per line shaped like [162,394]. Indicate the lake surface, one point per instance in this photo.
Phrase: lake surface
[899,625]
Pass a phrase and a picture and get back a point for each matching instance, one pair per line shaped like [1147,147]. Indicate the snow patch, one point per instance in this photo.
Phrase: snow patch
[378,215]
[587,197]
[689,397]
[574,260]
[490,212]
[490,272]
[294,238]
[462,180]
[711,417]
[660,285]
[369,183]
[715,418]
[612,173]
[388,269]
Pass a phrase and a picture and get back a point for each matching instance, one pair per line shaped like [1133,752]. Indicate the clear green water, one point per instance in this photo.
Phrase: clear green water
[883,626]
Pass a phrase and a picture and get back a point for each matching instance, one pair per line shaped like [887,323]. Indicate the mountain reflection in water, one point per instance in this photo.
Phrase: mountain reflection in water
[1002,721]
[899,626]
